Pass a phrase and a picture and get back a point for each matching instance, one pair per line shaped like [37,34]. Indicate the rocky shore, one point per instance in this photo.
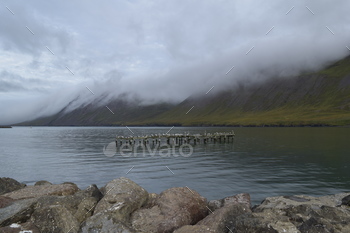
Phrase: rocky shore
[124,206]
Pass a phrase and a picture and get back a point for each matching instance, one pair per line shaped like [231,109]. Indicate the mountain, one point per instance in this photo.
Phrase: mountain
[320,98]
[119,112]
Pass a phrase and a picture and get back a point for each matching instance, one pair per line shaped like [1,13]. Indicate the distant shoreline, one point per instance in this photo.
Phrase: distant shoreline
[5,127]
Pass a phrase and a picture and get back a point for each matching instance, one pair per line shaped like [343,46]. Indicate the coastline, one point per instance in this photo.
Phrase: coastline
[124,206]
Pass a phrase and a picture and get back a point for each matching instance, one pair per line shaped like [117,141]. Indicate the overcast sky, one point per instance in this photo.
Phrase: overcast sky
[156,50]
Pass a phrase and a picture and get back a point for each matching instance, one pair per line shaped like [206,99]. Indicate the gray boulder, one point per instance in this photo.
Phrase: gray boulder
[346,200]
[294,214]
[301,214]
[223,219]
[250,223]
[8,185]
[81,205]
[242,198]
[84,202]
[55,219]
[5,201]
[226,210]
[173,209]
[112,213]
[53,213]
[122,197]
[105,222]
[284,202]
[43,190]
[20,228]
[152,198]
[42,182]
[17,212]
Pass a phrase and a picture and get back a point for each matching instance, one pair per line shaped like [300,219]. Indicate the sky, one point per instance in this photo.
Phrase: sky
[54,52]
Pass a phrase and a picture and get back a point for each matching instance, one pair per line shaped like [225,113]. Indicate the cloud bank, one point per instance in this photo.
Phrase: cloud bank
[156,50]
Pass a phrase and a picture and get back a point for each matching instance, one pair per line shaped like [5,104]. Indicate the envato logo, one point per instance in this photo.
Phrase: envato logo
[147,150]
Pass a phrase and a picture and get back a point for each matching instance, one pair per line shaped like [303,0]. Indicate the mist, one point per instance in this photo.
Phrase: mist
[55,54]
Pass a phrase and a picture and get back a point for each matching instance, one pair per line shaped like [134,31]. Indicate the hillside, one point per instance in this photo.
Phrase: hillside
[321,98]
[95,114]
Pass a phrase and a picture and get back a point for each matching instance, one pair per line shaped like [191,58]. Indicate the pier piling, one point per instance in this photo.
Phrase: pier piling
[177,139]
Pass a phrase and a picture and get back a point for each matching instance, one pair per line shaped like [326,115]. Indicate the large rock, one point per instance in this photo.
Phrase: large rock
[292,214]
[89,200]
[55,219]
[346,200]
[300,214]
[53,213]
[17,212]
[152,198]
[173,209]
[249,223]
[81,205]
[5,201]
[308,218]
[148,220]
[105,222]
[20,228]
[242,198]
[8,185]
[223,219]
[226,210]
[42,182]
[43,190]
[112,213]
[284,202]
[85,209]
[122,197]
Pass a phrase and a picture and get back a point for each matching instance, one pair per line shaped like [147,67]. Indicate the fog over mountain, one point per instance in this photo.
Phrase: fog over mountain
[78,52]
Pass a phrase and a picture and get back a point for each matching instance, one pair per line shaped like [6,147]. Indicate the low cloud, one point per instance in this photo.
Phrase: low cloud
[158,51]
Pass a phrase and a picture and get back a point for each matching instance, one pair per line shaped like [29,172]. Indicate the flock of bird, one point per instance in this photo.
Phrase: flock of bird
[176,138]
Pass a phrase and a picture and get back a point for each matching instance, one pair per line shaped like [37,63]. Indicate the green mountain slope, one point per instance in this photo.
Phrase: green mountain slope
[121,113]
[321,98]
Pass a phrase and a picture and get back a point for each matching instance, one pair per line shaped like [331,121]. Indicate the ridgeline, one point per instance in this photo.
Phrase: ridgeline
[313,99]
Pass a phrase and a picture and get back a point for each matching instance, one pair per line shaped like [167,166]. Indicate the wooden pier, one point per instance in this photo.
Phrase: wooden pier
[176,139]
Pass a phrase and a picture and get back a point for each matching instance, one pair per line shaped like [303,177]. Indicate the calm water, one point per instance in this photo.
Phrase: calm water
[261,161]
